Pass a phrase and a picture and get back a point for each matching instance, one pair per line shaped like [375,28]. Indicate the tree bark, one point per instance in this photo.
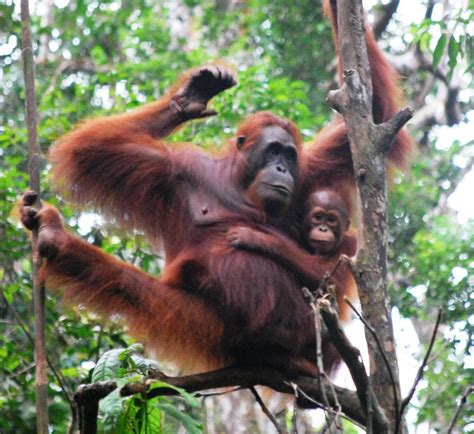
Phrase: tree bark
[41,372]
[370,145]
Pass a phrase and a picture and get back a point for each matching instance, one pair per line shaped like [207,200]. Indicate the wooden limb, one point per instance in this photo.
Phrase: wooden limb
[295,409]
[352,358]
[41,371]
[384,14]
[380,347]
[267,412]
[370,408]
[462,402]
[87,398]
[336,100]
[349,353]
[369,146]
[343,259]
[243,377]
[390,129]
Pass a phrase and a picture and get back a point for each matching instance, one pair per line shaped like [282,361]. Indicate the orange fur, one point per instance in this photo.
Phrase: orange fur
[214,305]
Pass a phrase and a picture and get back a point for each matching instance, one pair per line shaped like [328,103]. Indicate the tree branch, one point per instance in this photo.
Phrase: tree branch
[309,393]
[419,374]
[87,398]
[267,412]
[462,402]
[41,371]
[370,144]
[384,14]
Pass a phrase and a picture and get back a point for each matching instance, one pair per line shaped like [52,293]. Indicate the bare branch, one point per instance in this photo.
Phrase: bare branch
[389,130]
[87,397]
[41,371]
[349,353]
[380,347]
[468,391]
[384,14]
[419,374]
[352,358]
[265,409]
[336,100]
[368,143]
[231,377]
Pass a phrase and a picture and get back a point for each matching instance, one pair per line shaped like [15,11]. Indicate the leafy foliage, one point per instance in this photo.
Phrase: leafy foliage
[137,414]
[109,56]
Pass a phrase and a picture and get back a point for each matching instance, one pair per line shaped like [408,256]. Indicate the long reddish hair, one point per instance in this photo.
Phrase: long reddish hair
[251,129]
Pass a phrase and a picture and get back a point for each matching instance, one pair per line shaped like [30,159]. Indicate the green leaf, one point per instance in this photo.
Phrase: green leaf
[191,425]
[107,366]
[439,50]
[112,407]
[453,51]
[189,398]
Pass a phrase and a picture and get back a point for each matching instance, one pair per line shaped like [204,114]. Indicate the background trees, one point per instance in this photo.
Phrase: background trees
[109,56]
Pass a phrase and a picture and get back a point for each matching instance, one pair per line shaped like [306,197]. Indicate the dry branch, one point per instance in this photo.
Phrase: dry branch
[41,372]
[309,393]
[419,374]
[384,14]
[370,145]
[462,402]
[87,398]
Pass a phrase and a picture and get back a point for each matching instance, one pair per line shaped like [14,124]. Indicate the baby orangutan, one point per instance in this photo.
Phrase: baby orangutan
[325,235]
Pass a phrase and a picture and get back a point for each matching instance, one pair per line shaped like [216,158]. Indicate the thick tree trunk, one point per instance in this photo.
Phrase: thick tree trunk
[370,145]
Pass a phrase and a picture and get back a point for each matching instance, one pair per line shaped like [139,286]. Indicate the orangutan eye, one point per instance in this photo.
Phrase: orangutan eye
[274,149]
[290,154]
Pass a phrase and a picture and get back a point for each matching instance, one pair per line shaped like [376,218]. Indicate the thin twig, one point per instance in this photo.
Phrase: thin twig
[295,409]
[438,353]
[221,393]
[323,379]
[319,354]
[19,372]
[462,402]
[349,353]
[419,374]
[384,14]
[343,259]
[382,352]
[267,411]
[319,405]
[41,371]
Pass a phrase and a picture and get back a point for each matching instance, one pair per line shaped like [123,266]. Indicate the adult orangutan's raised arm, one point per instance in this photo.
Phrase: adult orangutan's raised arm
[329,158]
[117,163]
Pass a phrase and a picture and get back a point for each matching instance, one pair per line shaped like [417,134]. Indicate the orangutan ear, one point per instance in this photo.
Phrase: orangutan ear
[240,142]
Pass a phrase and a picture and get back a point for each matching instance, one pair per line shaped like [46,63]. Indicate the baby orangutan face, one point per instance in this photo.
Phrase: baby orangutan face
[326,221]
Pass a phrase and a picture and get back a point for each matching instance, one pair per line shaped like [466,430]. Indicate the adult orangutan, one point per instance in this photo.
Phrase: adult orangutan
[214,305]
